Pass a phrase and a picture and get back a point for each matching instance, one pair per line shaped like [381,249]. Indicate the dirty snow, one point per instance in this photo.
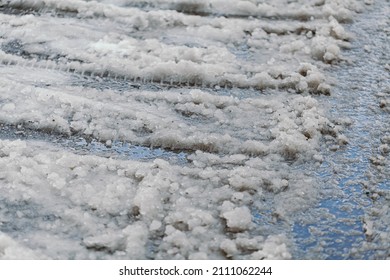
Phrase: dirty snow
[230,94]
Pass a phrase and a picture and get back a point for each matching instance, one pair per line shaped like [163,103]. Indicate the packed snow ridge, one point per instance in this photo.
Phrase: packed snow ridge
[167,46]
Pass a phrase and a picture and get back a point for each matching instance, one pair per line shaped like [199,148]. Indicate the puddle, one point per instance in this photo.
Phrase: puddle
[343,175]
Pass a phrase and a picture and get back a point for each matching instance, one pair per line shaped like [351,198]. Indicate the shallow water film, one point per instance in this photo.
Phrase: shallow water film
[189,129]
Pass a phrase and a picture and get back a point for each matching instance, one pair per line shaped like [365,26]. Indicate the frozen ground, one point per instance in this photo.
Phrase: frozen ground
[194,129]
